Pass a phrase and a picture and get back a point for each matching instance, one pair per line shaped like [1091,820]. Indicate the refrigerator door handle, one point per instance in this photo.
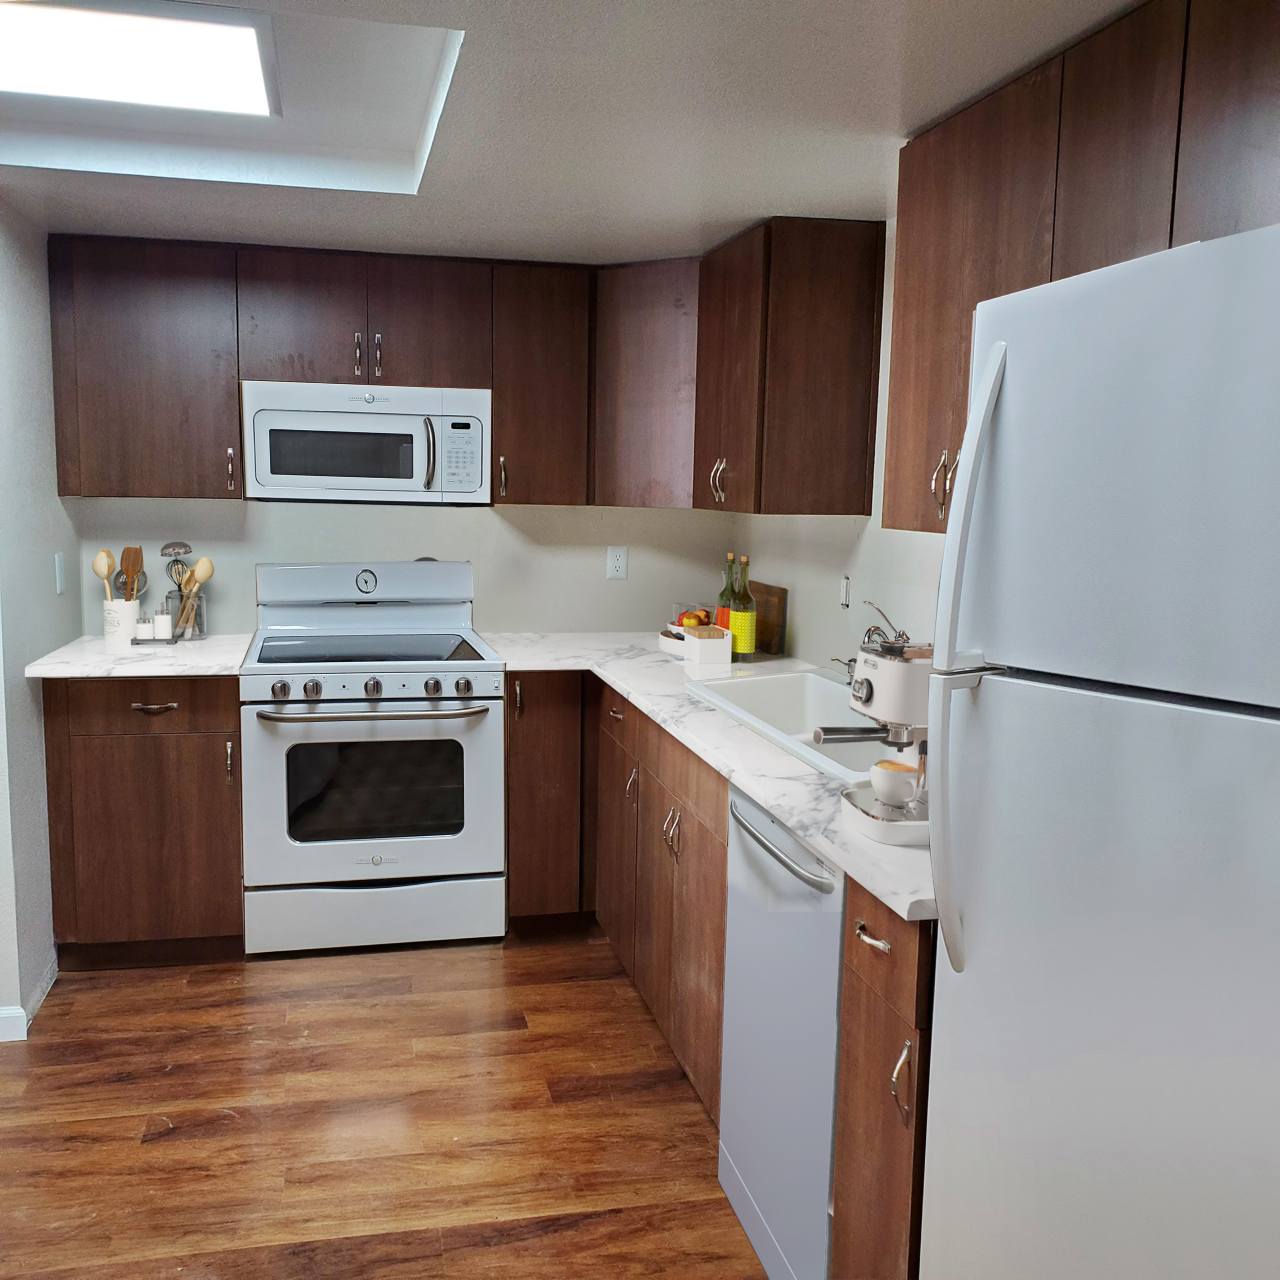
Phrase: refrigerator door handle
[982,409]
[950,918]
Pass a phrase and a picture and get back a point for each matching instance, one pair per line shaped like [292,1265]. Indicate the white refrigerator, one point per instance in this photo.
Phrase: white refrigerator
[1104,1093]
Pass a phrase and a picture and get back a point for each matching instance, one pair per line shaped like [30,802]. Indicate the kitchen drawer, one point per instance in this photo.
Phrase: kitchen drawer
[618,718]
[205,703]
[689,778]
[902,975]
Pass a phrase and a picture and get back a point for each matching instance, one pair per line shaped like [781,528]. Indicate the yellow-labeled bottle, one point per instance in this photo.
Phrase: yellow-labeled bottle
[742,614]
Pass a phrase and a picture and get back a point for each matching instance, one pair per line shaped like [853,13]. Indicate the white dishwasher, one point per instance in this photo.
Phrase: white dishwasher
[781,1006]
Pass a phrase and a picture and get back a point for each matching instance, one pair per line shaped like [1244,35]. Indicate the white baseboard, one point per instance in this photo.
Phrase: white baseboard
[43,987]
[13,1023]
[14,1020]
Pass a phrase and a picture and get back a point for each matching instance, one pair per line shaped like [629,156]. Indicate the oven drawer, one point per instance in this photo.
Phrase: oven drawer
[374,915]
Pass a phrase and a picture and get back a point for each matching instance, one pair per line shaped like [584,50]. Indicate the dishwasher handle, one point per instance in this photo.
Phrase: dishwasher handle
[823,884]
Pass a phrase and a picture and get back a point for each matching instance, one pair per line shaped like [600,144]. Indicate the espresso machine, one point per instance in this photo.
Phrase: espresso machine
[889,684]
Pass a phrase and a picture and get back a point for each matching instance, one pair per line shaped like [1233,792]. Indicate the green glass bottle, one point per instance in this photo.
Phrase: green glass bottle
[742,614]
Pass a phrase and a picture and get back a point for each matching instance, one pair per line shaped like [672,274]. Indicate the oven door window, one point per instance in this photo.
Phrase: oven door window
[374,790]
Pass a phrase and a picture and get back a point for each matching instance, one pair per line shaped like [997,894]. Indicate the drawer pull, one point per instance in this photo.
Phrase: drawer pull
[615,713]
[870,939]
[904,1109]
[153,708]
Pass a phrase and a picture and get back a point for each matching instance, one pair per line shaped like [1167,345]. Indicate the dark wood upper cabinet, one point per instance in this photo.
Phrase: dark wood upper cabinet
[821,366]
[788,343]
[541,324]
[1229,149]
[145,387]
[730,379]
[303,316]
[544,791]
[646,334]
[1118,144]
[430,322]
[975,220]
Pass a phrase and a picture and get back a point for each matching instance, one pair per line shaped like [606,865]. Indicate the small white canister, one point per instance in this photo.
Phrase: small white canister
[119,624]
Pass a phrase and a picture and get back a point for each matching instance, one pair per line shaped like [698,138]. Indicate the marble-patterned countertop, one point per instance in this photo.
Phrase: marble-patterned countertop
[805,801]
[89,659]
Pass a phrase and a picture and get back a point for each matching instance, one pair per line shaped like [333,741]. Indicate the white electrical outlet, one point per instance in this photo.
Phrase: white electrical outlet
[59,574]
[615,562]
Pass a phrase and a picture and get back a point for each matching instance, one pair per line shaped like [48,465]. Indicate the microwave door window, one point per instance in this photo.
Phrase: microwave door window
[374,790]
[349,455]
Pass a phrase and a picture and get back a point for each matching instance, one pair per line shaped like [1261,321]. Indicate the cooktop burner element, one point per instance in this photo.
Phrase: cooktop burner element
[317,650]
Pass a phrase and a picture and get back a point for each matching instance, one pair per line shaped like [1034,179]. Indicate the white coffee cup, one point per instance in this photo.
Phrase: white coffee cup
[119,624]
[894,781]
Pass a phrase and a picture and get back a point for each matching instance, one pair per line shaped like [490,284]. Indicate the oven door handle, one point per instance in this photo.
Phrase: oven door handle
[349,717]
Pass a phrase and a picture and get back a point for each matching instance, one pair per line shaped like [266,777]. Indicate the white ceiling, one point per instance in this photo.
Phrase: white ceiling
[611,130]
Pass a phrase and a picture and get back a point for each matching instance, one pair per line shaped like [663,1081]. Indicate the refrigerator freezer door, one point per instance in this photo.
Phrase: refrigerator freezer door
[1102,1095]
[781,1001]
[1127,511]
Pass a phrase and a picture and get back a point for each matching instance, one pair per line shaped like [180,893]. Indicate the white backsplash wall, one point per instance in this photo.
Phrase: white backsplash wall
[537,568]
[35,525]
[809,554]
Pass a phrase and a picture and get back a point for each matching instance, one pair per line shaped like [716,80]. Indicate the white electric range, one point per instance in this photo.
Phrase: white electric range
[373,749]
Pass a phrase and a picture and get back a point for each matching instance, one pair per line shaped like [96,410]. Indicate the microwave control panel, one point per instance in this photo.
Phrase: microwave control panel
[461,461]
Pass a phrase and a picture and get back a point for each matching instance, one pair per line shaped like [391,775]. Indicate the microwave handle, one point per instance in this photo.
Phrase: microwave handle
[431,453]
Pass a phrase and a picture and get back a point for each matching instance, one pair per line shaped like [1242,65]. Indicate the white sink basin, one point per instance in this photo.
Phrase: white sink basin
[786,709]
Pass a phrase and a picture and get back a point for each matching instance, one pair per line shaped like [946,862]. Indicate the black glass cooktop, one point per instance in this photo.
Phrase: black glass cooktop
[372,650]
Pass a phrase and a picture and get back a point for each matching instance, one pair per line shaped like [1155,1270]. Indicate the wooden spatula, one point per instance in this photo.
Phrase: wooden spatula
[131,567]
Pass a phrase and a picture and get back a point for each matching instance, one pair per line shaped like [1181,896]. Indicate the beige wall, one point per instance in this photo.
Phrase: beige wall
[33,620]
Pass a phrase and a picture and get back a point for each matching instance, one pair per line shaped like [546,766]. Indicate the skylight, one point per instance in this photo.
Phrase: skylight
[138,55]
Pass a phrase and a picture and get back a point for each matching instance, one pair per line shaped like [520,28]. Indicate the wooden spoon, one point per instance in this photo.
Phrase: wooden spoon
[104,565]
[131,566]
[192,581]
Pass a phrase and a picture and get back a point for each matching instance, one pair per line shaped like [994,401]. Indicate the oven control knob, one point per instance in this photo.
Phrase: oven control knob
[462,687]
[311,689]
[434,688]
[373,687]
[280,690]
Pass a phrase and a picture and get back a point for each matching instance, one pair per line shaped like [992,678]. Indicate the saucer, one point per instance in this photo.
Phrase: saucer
[889,824]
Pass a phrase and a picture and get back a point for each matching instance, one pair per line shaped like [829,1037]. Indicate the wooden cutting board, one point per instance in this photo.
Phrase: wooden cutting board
[771,617]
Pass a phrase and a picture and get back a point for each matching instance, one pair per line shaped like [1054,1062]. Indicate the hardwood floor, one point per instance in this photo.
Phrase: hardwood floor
[483,1110]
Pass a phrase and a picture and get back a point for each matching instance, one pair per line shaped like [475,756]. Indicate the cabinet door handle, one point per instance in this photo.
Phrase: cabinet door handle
[724,466]
[715,493]
[939,485]
[502,477]
[904,1108]
[230,771]
[860,929]
[673,837]
[359,344]
[153,708]
[615,714]
[666,838]
[519,697]
[631,781]
[231,471]
[377,355]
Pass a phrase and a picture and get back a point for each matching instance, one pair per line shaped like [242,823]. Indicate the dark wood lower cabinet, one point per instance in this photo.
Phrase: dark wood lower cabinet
[697,956]
[881,1086]
[544,792]
[617,817]
[145,831]
[655,888]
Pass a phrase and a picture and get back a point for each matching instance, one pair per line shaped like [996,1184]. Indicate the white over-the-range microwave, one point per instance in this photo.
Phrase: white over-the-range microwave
[322,442]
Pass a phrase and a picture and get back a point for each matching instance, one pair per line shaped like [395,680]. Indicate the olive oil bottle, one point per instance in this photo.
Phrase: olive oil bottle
[742,614]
